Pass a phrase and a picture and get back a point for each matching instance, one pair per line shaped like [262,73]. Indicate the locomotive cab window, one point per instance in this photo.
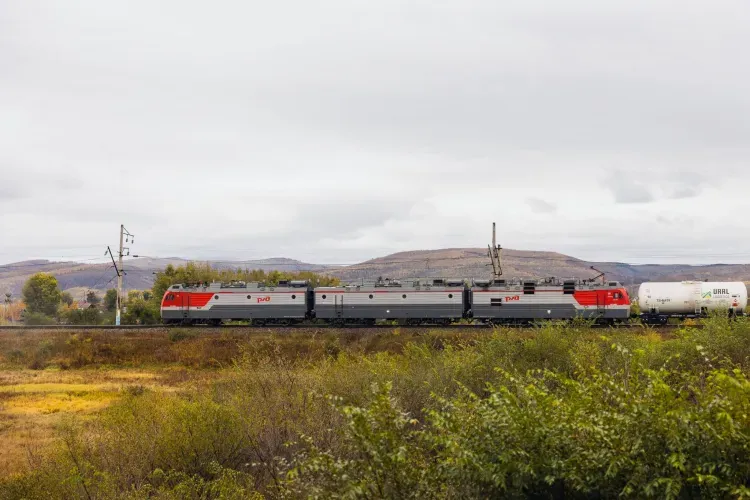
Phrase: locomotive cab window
[617,295]
[170,296]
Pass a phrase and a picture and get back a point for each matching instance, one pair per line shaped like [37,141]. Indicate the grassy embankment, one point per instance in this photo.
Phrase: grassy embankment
[550,412]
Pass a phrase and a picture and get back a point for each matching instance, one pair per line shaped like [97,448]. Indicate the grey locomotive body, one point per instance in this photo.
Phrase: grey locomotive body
[416,301]
[212,303]
[531,300]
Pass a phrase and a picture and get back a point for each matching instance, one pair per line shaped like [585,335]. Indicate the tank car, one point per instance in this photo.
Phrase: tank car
[659,301]
[517,301]
[212,303]
[437,301]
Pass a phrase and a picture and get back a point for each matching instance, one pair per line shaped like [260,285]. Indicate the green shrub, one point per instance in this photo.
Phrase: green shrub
[38,319]
[547,412]
[545,435]
[88,316]
[178,334]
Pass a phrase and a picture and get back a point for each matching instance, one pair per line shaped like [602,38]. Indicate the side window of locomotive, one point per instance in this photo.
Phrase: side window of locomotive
[170,296]
[617,295]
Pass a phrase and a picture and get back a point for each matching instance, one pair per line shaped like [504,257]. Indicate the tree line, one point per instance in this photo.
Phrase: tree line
[46,304]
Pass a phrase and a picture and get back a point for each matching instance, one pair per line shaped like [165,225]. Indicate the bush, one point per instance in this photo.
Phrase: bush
[88,316]
[549,412]
[178,334]
[545,435]
[38,319]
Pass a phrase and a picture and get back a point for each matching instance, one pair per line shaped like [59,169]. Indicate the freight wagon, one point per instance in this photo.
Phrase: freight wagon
[658,301]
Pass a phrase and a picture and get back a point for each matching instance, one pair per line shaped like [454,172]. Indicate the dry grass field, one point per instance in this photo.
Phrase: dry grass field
[554,412]
[47,376]
[34,402]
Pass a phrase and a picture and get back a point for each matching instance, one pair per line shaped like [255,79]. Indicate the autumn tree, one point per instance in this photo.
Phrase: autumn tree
[110,300]
[139,311]
[203,272]
[41,294]
[66,298]
[92,298]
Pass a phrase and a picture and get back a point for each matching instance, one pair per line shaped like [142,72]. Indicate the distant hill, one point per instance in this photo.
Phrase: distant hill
[138,272]
[275,263]
[449,262]
[474,263]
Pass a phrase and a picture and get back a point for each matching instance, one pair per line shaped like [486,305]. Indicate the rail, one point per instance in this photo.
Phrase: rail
[313,326]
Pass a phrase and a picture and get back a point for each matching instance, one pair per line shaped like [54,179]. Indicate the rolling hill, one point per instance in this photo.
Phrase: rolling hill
[473,262]
[450,262]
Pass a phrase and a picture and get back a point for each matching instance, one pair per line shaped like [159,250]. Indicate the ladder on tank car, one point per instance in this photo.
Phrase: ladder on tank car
[697,299]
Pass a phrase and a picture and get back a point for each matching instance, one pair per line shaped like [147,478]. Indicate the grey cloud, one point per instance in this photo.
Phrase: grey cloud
[541,206]
[685,192]
[10,191]
[247,131]
[343,217]
[627,189]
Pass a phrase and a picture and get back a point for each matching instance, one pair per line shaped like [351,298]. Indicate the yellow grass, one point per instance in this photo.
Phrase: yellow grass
[54,402]
[33,403]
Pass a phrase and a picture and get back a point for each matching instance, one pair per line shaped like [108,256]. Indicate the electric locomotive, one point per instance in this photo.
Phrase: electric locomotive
[512,301]
[211,303]
[414,302]
[420,301]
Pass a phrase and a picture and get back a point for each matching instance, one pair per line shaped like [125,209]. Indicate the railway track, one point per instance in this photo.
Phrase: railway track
[308,326]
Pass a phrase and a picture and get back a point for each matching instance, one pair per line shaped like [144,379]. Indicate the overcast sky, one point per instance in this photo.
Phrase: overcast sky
[341,130]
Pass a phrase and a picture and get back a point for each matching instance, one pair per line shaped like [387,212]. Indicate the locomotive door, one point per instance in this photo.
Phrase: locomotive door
[185,305]
[338,306]
[601,303]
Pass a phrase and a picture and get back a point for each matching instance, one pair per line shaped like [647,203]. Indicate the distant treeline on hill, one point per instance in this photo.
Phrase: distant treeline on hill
[204,272]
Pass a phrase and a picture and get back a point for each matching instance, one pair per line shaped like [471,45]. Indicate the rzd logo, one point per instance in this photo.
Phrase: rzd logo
[512,298]
[264,299]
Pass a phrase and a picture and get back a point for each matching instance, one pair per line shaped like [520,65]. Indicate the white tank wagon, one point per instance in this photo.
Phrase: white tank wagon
[658,301]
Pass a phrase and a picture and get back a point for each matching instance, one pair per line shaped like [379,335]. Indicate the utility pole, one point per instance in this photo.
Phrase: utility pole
[494,255]
[127,237]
